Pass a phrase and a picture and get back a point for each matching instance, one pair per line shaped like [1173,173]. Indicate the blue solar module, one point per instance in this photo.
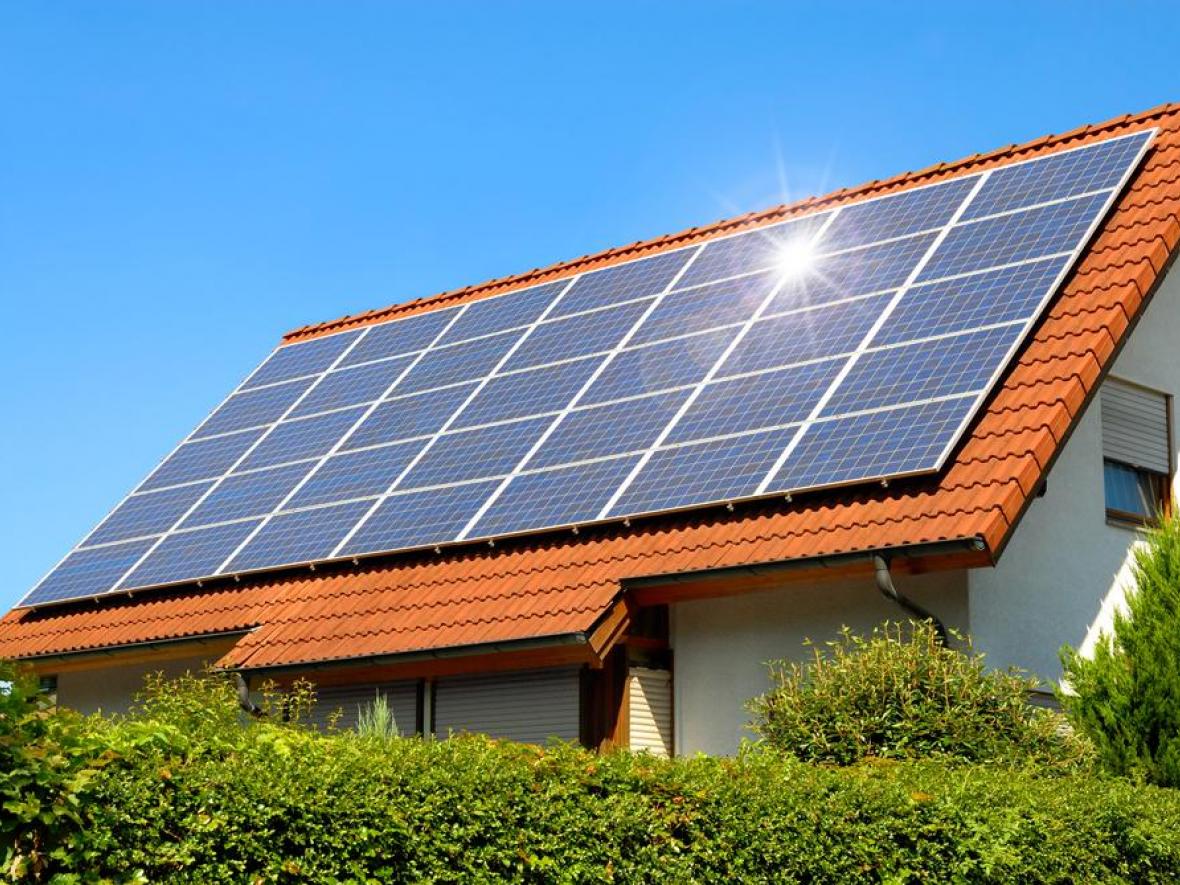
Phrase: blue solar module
[577,335]
[623,282]
[458,362]
[302,438]
[897,215]
[1030,233]
[640,370]
[406,417]
[811,334]
[305,358]
[471,454]
[868,446]
[706,307]
[718,470]
[246,494]
[913,372]
[414,519]
[566,496]
[1095,167]
[182,555]
[364,474]
[993,296]
[408,335]
[756,250]
[707,373]
[253,408]
[755,402]
[348,387]
[531,392]
[501,312]
[147,513]
[626,426]
[88,572]
[302,536]
[203,459]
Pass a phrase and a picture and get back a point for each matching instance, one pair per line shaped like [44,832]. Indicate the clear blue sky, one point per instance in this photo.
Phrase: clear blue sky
[182,182]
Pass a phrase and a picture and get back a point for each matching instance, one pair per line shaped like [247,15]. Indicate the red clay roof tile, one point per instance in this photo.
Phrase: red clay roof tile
[550,586]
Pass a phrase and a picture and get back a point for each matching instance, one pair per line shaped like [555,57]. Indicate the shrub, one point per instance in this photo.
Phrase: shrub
[898,694]
[1126,696]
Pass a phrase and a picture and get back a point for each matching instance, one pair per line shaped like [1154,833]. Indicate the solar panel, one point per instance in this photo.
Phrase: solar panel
[698,375]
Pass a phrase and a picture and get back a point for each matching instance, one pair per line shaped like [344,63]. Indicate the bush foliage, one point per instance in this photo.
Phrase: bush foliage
[188,790]
[1126,697]
[900,694]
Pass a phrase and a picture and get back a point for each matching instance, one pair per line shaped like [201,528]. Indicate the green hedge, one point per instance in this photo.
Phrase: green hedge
[187,792]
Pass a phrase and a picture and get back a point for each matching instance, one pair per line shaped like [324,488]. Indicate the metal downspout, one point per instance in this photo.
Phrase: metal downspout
[885,585]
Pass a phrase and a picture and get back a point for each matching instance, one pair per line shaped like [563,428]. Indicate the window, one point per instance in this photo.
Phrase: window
[1136,450]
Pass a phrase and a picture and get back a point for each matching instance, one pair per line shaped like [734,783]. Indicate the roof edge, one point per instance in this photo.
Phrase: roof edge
[780,212]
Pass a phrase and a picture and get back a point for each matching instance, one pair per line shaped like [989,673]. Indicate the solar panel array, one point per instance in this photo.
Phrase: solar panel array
[701,375]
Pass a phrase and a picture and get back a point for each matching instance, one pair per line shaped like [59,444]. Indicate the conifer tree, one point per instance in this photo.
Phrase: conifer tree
[1126,696]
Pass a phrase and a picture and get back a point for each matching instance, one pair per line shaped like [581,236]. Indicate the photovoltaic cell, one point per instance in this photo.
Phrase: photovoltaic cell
[402,336]
[808,335]
[253,408]
[719,470]
[566,496]
[147,513]
[660,366]
[182,555]
[302,438]
[623,282]
[432,516]
[367,473]
[409,416]
[532,392]
[1060,175]
[514,310]
[337,446]
[706,307]
[470,454]
[246,494]
[868,446]
[993,296]
[347,387]
[303,536]
[626,426]
[304,358]
[1032,233]
[203,459]
[576,336]
[758,249]
[754,402]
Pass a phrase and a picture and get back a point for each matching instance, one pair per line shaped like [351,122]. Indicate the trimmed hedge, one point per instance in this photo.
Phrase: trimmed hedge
[185,791]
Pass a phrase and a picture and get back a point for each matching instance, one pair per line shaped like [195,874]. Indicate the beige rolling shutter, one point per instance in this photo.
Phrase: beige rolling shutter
[649,695]
[1135,426]
[530,706]
[349,699]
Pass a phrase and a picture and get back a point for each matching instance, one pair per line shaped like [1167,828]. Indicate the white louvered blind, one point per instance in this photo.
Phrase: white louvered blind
[649,696]
[401,696]
[530,706]
[1135,426]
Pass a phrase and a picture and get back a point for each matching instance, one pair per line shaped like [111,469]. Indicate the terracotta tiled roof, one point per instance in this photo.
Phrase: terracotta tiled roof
[562,584]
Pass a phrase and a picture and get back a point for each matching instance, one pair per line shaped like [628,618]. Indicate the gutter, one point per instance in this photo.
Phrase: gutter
[149,645]
[885,585]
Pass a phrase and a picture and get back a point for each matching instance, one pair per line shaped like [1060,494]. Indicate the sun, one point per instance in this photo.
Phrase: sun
[794,259]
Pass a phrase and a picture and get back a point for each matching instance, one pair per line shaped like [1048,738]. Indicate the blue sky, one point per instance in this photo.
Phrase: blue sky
[181,182]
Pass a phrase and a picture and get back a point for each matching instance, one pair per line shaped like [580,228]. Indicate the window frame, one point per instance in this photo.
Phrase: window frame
[1161,483]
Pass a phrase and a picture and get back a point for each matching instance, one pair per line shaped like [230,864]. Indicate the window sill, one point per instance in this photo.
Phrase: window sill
[1129,524]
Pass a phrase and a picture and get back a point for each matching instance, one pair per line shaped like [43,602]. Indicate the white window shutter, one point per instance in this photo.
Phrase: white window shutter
[649,696]
[1135,426]
[530,706]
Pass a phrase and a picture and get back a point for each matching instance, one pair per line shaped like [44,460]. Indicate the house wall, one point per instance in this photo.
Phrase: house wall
[720,646]
[111,689]
[1065,570]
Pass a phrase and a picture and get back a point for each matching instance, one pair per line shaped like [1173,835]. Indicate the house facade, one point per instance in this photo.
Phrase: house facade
[653,633]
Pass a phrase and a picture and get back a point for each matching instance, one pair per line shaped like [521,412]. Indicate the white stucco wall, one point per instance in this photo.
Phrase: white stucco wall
[111,690]
[1065,569]
[721,646]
